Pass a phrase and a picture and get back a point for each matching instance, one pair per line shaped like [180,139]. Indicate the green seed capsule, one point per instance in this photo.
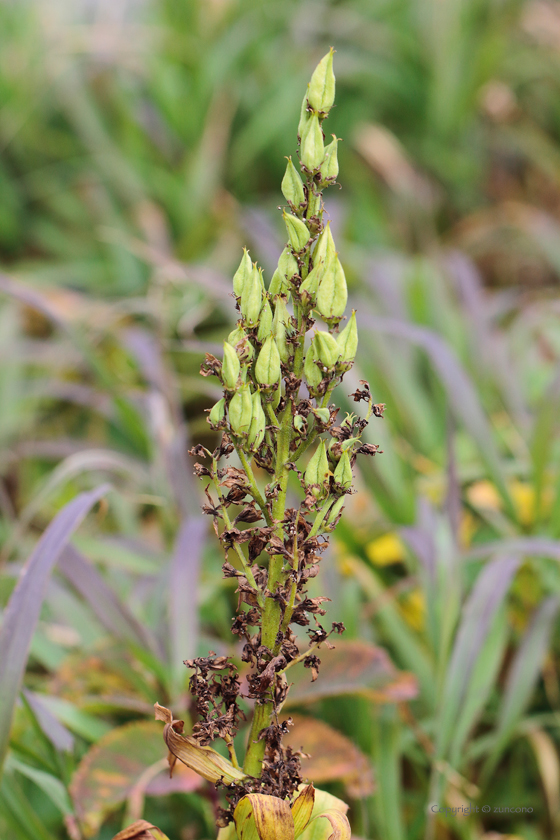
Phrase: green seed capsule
[313,375]
[320,93]
[297,231]
[343,472]
[312,150]
[308,289]
[239,339]
[334,512]
[304,116]
[287,264]
[325,248]
[267,368]
[230,367]
[292,187]
[323,414]
[332,294]
[236,335]
[326,349]
[241,410]
[280,325]
[348,340]
[258,423]
[299,423]
[217,412]
[243,273]
[278,284]
[265,321]
[317,472]
[252,297]
[329,167]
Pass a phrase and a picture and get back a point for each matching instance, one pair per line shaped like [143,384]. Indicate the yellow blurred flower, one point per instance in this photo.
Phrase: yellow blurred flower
[385,550]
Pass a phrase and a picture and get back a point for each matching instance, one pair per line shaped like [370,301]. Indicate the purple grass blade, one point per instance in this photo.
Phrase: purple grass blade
[535,546]
[109,609]
[183,593]
[60,737]
[480,608]
[420,538]
[523,675]
[24,607]
[487,595]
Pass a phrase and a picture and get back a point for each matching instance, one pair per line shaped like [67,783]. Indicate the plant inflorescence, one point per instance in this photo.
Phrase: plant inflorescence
[276,421]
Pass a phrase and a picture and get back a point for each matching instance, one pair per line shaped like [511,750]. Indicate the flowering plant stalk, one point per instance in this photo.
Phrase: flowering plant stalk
[276,419]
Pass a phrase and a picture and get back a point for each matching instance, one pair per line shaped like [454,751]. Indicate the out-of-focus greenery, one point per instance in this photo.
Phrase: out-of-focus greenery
[142,146]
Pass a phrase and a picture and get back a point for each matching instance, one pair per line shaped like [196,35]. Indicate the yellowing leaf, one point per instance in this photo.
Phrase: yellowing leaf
[385,550]
[328,825]
[303,808]
[109,773]
[262,817]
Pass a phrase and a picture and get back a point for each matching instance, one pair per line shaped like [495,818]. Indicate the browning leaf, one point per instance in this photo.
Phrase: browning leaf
[332,756]
[354,667]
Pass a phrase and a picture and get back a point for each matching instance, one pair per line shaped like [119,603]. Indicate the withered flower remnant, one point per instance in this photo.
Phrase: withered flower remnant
[278,424]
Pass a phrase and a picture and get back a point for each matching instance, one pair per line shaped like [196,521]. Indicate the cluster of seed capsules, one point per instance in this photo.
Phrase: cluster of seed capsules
[265,357]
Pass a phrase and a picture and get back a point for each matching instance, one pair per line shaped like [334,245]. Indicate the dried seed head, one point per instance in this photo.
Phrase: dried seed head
[252,297]
[230,367]
[321,90]
[297,231]
[292,187]
[312,150]
[240,410]
[267,367]
[243,273]
[332,294]
[329,167]
[347,340]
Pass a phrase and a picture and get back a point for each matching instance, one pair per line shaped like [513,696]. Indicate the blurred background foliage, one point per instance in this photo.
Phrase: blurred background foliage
[142,145]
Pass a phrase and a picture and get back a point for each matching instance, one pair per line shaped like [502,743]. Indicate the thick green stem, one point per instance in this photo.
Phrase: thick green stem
[272,619]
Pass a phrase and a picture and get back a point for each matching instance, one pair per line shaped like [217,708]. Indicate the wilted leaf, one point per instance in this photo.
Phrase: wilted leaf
[262,817]
[141,830]
[203,760]
[353,667]
[111,771]
[332,756]
[328,825]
